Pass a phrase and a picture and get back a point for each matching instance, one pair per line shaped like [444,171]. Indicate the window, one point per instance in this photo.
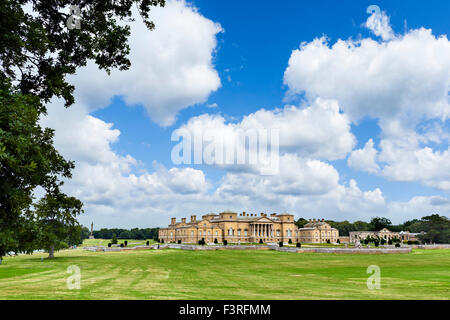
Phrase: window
[230,231]
[217,233]
[200,232]
[239,232]
[245,232]
[192,233]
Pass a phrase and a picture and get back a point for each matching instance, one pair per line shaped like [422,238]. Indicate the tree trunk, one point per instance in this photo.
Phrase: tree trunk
[51,252]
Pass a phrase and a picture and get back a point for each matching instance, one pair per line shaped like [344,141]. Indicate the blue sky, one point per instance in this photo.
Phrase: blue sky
[250,57]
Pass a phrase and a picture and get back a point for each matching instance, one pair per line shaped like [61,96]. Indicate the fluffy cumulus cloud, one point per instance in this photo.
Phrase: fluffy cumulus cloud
[364,159]
[378,22]
[402,80]
[378,79]
[171,66]
[406,157]
[316,131]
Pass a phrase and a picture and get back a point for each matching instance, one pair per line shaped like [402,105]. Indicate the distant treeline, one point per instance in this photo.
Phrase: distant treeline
[135,233]
[436,227]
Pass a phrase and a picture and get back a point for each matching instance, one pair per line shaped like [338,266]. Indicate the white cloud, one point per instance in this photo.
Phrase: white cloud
[317,131]
[403,81]
[405,159]
[382,80]
[171,66]
[297,176]
[379,24]
[364,159]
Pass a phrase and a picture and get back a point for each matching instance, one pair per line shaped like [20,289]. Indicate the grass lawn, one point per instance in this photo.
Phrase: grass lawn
[179,274]
[104,242]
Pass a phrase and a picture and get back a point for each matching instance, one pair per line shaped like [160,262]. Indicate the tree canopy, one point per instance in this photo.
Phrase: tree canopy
[37,52]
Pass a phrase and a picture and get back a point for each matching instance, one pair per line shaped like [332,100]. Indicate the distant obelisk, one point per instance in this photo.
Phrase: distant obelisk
[92,231]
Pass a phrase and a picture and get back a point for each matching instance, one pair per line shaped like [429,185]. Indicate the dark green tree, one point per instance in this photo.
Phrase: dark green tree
[436,229]
[56,216]
[377,223]
[301,222]
[37,52]
[27,160]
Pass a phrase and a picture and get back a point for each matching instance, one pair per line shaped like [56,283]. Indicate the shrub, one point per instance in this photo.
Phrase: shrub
[328,241]
[389,242]
[225,242]
[383,241]
[125,243]
[121,245]
[298,245]
[397,245]
[290,241]
[338,241]
[109,245]
[179,241]
[280,243]
[147,243]
[162,240]
[114,239]
[409,242]
[260,241]
[215,240]
[376,243]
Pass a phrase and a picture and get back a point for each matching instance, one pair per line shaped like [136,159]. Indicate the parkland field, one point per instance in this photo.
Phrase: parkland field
[179,274]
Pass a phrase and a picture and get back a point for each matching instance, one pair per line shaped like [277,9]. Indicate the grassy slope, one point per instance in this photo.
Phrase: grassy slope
[176,274]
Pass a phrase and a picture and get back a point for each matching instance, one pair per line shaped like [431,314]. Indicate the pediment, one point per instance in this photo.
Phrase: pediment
[263,219]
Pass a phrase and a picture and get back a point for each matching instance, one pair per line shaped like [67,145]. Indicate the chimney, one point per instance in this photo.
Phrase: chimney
[273,214]
[243,213]
[193,218]
[323,219]
[183,220]
[262,214]
[174,220]
[314,220]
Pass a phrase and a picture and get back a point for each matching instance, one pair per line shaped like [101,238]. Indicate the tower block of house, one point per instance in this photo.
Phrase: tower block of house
[244,227]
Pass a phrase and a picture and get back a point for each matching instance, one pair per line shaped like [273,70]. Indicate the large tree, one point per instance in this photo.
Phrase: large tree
[56,217]
[27,160]
[436,228]
[377,223]
[37,52]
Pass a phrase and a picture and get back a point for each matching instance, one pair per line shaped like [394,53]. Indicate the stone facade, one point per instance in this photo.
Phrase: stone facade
[232,227]
[247,228]
[318,232]
[406,235]
[382,234]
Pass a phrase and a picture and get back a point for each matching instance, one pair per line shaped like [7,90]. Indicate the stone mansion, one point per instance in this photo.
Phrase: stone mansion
[245,227]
